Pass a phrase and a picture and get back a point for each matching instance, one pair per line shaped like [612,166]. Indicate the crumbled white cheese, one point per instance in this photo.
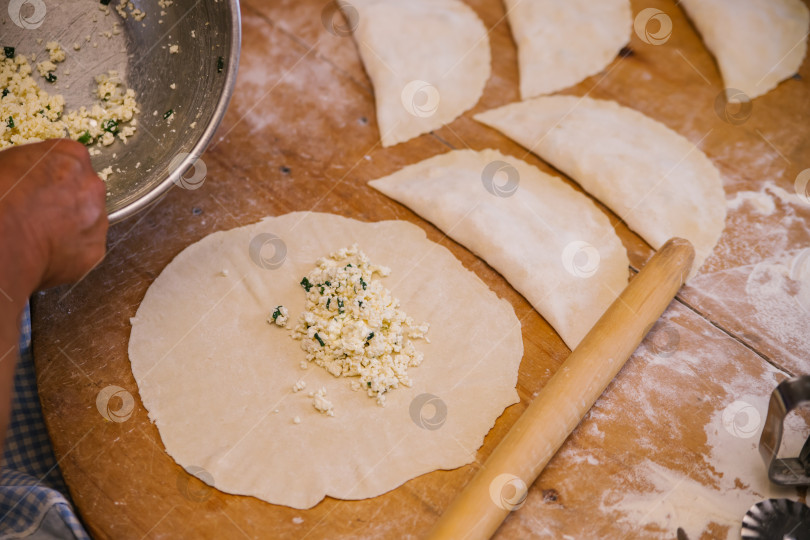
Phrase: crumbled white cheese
[55,51]
[353,327]
[30,114]
[224,271]
[124,5]
[174,49]
[279,316]
[303,364]
[297,420]
[44,68]
[321,404]
[105,173]
[299,385]
[173,86]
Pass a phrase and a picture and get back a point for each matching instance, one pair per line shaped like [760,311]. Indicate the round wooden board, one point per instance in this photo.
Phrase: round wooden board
[301,135]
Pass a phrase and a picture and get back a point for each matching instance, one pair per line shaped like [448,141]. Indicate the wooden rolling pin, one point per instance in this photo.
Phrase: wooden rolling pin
[501,485]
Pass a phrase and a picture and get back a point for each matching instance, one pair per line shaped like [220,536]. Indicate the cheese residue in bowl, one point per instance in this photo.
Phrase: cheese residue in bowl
[353,327]
[30,114]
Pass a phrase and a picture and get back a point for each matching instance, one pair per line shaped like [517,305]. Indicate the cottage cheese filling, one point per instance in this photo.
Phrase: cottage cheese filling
[353,327]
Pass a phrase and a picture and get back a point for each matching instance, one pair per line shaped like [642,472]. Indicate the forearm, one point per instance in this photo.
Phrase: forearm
[9,343]
[18,280]
[52,231]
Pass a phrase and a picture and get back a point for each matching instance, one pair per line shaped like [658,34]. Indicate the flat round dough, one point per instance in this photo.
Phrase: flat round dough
[211,372]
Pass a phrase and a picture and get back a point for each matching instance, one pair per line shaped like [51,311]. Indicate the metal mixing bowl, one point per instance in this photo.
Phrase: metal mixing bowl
[203,72]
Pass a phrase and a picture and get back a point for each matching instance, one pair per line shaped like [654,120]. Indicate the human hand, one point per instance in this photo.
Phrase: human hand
[53,223]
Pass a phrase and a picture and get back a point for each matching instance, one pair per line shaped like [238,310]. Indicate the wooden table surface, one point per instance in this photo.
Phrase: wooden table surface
[672,443]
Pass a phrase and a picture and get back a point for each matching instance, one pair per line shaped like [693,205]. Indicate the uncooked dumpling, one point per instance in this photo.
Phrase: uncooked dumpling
[427,59]
[217,379]
[549,241]
[657,181]
[757,43]
[562,43]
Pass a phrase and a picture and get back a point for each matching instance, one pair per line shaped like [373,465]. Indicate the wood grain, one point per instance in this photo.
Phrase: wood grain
[549,419]
[301,135]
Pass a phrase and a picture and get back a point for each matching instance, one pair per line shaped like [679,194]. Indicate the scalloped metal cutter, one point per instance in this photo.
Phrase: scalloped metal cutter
[787,396]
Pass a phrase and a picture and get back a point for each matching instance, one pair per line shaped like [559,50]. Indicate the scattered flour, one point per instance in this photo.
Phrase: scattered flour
[759,200]
[779,291]
[763,201]
[713,496]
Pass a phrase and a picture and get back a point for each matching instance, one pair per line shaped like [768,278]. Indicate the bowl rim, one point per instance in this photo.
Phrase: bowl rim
[157,193]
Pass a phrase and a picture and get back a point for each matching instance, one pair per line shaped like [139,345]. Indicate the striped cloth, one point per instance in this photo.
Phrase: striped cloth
[34,501]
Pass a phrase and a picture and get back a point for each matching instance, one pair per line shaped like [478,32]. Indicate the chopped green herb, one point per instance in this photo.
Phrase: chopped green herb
[50,77]
[322,289]
[277,313]
[327,283]
[48,107]
[167,114]
[5,92]
[369,338]
[106,97]
[110,126]
[86,138]
[306,284]
[319,339]
[360,303]
[363,283]
[369,384]
[220,64]
[340,305]
[348,266]
[10,122]
[9,52]
[105,2]
[328,301]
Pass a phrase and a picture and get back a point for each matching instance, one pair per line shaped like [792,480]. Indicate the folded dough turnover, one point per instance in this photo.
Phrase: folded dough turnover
[562,43]
[657,181]
[427,59]
[757,43]
[550,242]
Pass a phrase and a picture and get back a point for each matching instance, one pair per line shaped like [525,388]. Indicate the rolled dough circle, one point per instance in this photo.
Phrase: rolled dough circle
[212,373]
